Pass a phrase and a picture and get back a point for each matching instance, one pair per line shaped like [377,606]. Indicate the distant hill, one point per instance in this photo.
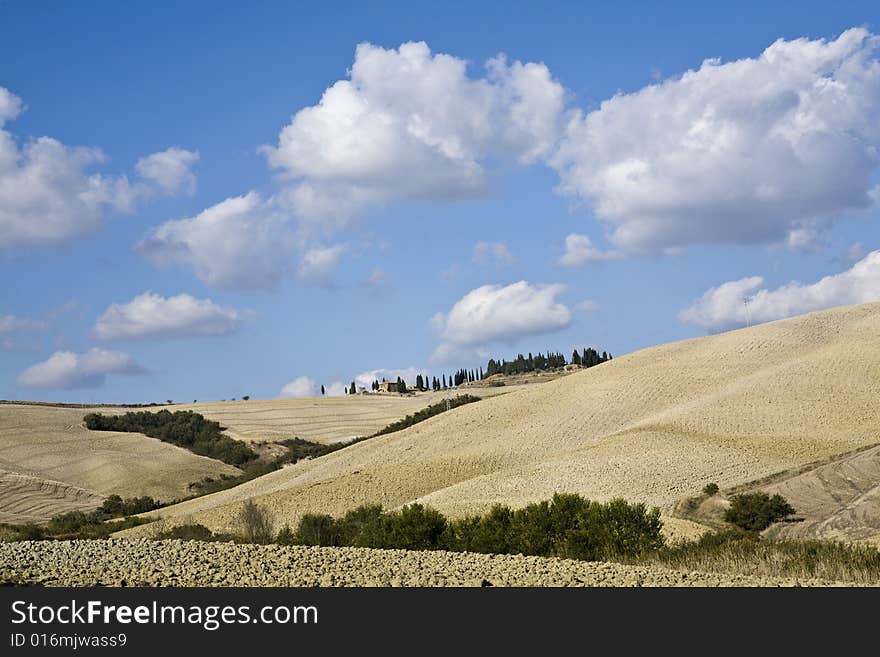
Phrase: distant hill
[653,426]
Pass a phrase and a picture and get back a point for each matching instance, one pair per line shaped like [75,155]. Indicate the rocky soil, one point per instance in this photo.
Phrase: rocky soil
[142,562]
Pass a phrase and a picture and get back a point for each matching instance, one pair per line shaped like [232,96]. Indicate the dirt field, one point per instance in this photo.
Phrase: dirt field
[50,463]
[654,426]
[320,419]
[839,500]
[191,563]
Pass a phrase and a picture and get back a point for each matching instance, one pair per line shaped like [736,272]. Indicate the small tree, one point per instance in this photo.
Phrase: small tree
[246,397]
[352,389]
[255,523]
[757,511]
[711,489]
[322,390]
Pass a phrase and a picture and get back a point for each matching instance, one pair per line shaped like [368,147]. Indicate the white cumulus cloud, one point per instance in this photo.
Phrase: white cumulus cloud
[66,370]
[243,242]
[170,169]
[580,250]
[318,264]
[495,313]
[743,301]
[489,252]
[408,123]
[152,316]
[764,149]
[48,193]
[301,386]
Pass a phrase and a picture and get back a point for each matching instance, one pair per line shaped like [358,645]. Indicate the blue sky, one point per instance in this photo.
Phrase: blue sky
[434,210]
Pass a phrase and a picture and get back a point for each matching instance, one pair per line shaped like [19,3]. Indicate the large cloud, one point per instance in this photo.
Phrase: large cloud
[755,150]
[66,370]
[743,301]
[151,316]
[48,195]
[493,313]
[243,242]
[412,124]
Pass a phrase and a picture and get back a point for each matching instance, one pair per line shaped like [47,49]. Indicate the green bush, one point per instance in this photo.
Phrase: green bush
[316,529]
[27,532]
[427,412]
[757,511]
[567,526]
[188,532]
[115,507]
[358,524]
[710,489]
[182,428]
[414,527]
[285,536]
[489,534]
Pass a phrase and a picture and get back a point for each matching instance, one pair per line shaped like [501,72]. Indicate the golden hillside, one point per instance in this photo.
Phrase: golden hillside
[654,426]
[50,463]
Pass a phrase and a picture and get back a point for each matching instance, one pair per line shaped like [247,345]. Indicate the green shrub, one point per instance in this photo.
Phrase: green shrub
[489,534]
[567,526]
[414,527]
[188,532]
[757,511]
[427,412]
[70,522]
[710,489]
[182,428]
[359,523]
[317,529]
[115,507]
[285,536]
[27,532]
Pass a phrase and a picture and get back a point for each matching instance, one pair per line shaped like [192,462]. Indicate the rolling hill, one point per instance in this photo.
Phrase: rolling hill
[652,426]
[50,463]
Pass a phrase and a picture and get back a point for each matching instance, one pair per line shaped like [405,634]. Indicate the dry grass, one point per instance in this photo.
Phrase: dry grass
[734,554]
[49,464]
[652,426]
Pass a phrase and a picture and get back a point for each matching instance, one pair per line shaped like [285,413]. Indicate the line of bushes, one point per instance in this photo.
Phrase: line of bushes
[185,429]
[427,412]
[299,448]
[567,526]
[112,516]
